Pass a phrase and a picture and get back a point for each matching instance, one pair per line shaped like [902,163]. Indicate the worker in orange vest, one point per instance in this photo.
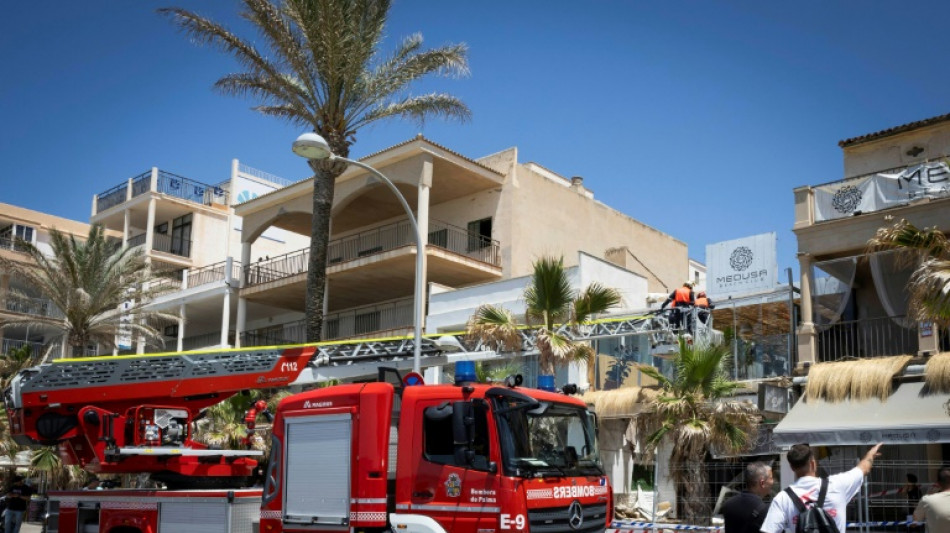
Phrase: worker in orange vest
[681,297]
[704,304]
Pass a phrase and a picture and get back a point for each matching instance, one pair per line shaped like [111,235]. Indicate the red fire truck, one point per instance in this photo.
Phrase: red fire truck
[378,456]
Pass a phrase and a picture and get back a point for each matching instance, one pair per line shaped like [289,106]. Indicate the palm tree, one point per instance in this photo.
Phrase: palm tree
[322,70]
[88,281]
[929,249]
[693,413]
[550,301]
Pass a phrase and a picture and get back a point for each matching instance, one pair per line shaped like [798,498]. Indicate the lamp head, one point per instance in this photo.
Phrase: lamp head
[312,146]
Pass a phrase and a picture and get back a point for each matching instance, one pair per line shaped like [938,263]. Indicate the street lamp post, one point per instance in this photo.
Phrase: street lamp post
[313,146]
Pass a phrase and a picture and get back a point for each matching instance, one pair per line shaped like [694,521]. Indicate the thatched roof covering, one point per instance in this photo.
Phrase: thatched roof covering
[619,403]
[769,318]
[861,379]
[937,373]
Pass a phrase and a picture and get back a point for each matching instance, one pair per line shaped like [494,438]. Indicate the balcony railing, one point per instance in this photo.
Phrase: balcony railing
[167,183]
[463,242]
[31,306]
[198,276]
[13,344]
[8,243]
[164,243]
[375,241]
[347,324]
[870,337]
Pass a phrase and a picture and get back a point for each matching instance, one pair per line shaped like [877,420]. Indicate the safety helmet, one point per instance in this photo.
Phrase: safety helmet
[702,294]
[688,283]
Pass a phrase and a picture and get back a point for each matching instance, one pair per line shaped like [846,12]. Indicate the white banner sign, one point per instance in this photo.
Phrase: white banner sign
[880,191]
[741,266]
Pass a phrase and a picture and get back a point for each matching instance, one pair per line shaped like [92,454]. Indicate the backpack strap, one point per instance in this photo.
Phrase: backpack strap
[795,500]
[821,493]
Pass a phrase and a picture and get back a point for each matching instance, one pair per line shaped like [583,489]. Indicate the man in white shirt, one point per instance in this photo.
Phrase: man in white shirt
[841,488]
[934,509]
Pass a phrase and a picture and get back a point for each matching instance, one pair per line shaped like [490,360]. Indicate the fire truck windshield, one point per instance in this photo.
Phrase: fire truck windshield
[547,439]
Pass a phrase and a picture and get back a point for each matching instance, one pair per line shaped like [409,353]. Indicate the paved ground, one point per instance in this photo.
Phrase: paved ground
[31,527]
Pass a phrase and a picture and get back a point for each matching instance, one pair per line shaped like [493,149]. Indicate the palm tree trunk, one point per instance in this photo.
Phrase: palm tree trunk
[324,183]
[695,503]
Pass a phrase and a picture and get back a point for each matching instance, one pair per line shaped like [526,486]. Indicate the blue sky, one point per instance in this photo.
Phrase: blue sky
[697,118]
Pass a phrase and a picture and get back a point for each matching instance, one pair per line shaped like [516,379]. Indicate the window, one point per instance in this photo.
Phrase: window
[479,234]
[332,328]
[25,233]
[162,228]
[181,236]
[438,443]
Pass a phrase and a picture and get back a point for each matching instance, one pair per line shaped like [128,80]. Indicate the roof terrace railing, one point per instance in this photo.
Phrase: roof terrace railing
[166,183]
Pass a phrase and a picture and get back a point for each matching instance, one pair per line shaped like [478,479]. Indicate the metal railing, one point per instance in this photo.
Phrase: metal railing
[9,243]
[112,197]
[464,242]
[31,306]
[168,183]
[869,337]
[351,323]
[376,241]
[141,183]
[164,243]
[191,190]
[194,342]
[197,277]
[13,344]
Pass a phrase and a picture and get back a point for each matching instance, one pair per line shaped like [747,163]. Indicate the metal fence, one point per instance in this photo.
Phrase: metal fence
[870,337]
[189,189]
[885,496]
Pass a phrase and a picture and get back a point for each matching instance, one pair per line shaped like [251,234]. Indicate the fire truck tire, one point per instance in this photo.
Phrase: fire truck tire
[414,523]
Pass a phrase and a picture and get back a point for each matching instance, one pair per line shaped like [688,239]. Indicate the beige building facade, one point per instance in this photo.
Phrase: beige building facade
[17,298]
[854,304]
[484,220]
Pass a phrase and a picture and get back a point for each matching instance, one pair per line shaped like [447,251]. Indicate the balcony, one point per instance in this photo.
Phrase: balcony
[197,277]
[7,243]
[375,320]
[31,306]
[869,337]
[374,242]
[164,243]
[165,183]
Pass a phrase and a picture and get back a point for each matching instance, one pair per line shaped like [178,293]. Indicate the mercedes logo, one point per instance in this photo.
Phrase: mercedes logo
[575,515]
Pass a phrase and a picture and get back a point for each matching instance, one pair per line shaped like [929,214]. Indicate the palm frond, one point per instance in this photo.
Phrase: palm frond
[930,291]
[492,324]
[417,109]
[549,297]
[595,299]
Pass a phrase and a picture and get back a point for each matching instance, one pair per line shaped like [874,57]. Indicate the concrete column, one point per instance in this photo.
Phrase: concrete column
[153,182]
[226,304]
[181,327]
[126,222]
[807,335]
[150,231]
[422,219]
[4,289]
[242,302]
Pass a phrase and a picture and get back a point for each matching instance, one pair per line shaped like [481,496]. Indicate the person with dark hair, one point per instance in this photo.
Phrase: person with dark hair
[842,487]
[913,492]
[746,512]
[934,509]
[18,500]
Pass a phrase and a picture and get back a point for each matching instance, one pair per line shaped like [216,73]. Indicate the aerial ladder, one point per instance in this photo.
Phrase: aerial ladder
[137,413]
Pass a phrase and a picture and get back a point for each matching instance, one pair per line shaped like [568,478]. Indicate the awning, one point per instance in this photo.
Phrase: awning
[909,416]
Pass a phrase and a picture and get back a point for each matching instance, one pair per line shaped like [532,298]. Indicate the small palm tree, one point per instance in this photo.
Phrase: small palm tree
[550,302]
[929,249]
[88,281]
[693,413]
[321,69]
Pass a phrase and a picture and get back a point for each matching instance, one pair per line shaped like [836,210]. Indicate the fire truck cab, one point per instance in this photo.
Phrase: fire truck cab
[465,458]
